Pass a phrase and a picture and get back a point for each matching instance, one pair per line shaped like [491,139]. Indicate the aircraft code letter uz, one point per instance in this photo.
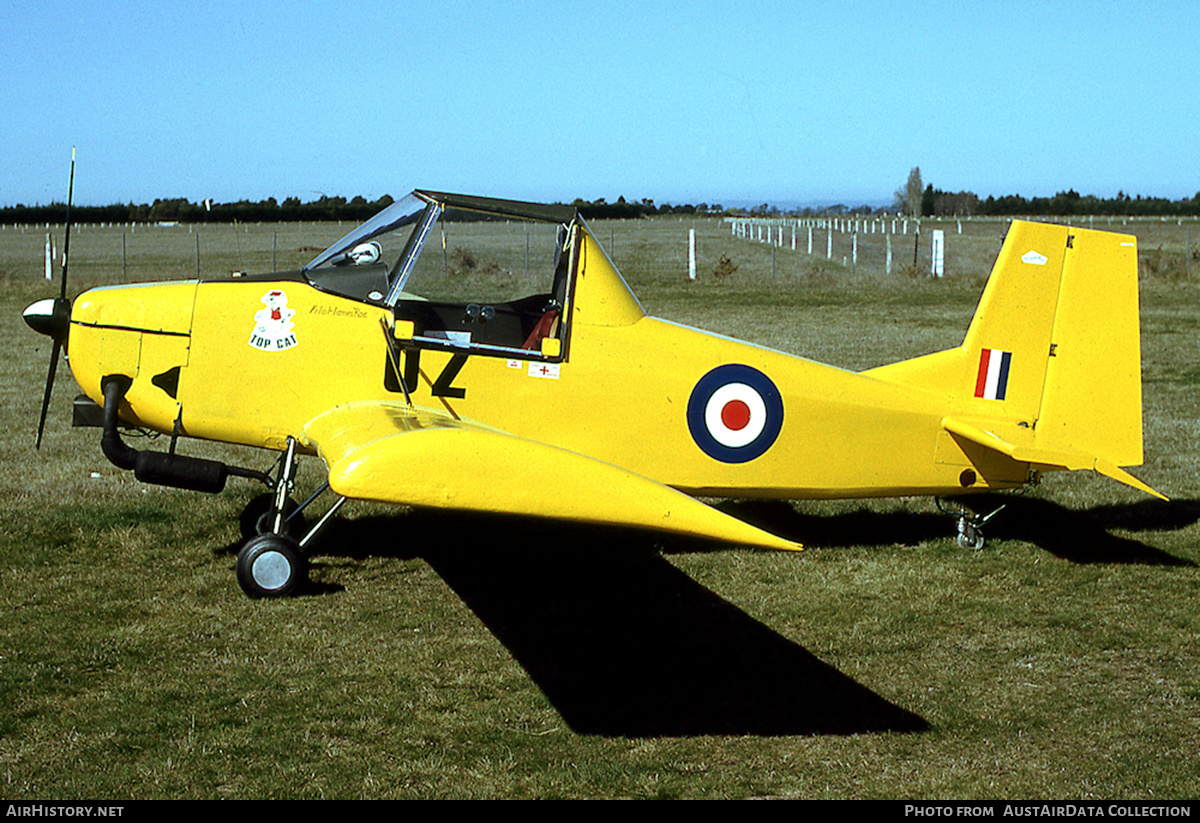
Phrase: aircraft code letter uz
[412,376]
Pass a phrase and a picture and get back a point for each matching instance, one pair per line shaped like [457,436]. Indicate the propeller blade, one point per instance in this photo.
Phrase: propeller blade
[53,317]
[62,292]
[49,388]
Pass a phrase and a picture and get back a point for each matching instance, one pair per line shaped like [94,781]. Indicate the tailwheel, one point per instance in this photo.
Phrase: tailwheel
[271,565]
[970,526]
[970,536]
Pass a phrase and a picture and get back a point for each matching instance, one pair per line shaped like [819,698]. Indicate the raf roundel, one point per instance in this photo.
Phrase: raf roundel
[735,413]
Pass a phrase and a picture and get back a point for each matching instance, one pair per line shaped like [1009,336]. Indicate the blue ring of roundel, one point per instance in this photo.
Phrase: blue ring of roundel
[708,385]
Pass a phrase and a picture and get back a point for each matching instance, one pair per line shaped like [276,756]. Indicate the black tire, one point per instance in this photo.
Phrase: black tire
[253,520]
[970,538]
[271,565]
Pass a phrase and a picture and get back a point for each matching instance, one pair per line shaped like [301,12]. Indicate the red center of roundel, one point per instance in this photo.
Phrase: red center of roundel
[735,415]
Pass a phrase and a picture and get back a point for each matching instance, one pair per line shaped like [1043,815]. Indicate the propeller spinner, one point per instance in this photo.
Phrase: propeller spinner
[51,317]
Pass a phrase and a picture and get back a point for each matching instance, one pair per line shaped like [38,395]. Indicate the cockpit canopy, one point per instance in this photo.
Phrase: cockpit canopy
[498,283]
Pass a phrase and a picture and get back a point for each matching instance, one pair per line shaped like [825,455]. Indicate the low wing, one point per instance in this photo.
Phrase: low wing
[396,454]
[1020,444]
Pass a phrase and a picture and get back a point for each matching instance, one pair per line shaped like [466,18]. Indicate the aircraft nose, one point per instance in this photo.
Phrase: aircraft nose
[51,317]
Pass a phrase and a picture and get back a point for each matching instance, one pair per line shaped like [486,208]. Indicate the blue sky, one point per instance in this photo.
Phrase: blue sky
[679,102]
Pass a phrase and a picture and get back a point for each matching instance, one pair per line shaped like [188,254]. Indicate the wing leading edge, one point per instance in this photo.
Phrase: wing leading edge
[394,454]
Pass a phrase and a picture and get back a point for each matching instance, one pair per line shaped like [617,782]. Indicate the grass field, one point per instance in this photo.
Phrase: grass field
[1062,661]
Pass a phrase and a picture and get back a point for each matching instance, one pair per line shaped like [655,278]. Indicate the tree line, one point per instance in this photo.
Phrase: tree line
[356,209]
[938,203]
[182,210]
[915,199]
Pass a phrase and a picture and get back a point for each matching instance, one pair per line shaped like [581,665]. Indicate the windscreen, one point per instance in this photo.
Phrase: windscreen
[381,239]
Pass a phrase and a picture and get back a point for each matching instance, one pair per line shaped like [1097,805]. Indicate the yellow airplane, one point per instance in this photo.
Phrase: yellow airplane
[477,354]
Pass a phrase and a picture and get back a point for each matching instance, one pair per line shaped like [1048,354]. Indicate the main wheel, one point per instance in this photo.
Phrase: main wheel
[271,565]
[253,520]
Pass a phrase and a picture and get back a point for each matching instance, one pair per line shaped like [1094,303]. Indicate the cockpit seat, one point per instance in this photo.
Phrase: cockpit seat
[546,326]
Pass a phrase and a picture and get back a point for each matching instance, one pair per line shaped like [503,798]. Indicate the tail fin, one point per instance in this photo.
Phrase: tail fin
[1052,359]
[1011,337]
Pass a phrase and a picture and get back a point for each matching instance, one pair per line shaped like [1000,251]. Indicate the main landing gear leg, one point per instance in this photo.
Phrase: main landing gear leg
[272,564]
[273,561]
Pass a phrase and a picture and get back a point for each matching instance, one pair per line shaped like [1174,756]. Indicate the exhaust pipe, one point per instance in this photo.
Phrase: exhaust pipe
[175,470]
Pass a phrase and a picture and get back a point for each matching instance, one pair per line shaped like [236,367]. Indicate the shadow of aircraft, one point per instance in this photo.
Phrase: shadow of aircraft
[1078,535]
[620,641]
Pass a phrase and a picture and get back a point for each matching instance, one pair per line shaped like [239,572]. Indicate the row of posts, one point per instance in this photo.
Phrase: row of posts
[760,228]
[52,253]
[772,230]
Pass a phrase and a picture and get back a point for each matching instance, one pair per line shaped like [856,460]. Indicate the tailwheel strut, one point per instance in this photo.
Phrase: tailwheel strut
[970,527]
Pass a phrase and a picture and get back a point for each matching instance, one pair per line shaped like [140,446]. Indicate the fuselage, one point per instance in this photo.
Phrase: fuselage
[253,360]
[465,375]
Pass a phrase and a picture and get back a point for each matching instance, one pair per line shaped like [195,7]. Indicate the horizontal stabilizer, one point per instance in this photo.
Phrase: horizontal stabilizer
[1019,443]
[419,457]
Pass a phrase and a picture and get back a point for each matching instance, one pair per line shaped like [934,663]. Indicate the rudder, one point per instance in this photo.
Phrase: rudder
[1093,397]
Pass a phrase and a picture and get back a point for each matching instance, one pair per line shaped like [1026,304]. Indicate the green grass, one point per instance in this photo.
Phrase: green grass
[441,656]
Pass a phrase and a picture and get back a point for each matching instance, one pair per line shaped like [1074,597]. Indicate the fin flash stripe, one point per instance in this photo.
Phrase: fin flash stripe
[992,380]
